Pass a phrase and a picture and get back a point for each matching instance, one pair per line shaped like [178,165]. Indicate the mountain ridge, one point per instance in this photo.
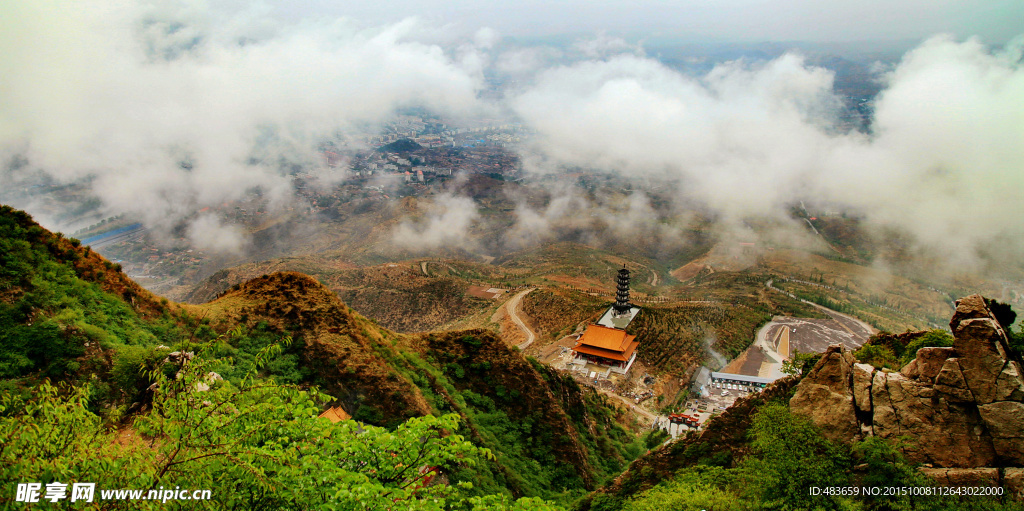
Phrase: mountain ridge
[550,437]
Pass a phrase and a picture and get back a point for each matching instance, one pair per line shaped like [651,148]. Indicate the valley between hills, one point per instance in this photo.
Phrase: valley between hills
[388,343]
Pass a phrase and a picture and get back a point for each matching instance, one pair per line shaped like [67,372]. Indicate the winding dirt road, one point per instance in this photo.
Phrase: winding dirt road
[513,313]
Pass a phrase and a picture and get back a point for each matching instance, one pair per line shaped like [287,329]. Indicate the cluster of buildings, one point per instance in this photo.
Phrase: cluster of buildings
[436,134]
[605,350]
[604,347]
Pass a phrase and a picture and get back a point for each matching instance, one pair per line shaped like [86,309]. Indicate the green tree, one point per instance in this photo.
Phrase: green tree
[1016,341]
[878,356]
[790,456]
[696,488]
[931,338]
[257,445]
[800,363]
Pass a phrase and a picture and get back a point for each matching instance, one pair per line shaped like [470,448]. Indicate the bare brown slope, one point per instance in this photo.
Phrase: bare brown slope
[346,350]
[396,295]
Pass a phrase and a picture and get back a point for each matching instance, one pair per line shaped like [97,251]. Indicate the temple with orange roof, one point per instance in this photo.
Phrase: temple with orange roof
[605,346]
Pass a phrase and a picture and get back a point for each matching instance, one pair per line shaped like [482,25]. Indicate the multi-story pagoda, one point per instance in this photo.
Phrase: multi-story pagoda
[605,347]
[622,305]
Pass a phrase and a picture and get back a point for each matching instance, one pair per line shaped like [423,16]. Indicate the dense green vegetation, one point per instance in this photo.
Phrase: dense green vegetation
[48,314]
[57,321]
[255,445]
[894,351]
[539,449]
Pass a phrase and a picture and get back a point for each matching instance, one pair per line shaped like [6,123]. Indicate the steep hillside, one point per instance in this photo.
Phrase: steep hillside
[65,311]
[62,319]
[342,349]
[722,443]
[546,431]
[533,420]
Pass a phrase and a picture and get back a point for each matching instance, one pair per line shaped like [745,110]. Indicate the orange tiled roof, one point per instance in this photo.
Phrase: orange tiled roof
[602,337]
[609,343]
[621,356]
[335,414]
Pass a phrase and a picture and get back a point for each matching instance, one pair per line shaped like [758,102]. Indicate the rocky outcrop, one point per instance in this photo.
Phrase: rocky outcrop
[826,396]
[953,408]
[928,363]
[942,433]
[1013,481]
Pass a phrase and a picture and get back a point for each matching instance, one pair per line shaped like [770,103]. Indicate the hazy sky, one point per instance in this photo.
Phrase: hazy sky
[995,21]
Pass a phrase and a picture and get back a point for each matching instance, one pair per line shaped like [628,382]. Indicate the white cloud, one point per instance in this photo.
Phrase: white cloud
[445,224]
[732,136]
[126,90]
[209,233]
[749,139]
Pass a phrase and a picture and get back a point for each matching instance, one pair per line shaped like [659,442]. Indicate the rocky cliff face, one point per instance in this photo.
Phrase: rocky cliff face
[958,407]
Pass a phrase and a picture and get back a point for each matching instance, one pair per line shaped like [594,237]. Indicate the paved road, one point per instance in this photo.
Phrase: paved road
[810,335]
[513,313]
[853,325]
[774,358]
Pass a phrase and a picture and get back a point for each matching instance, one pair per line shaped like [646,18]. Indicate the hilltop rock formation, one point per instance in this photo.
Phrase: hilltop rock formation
[958,407]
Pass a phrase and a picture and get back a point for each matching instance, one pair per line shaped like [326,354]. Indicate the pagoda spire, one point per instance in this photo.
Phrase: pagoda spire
[622,304]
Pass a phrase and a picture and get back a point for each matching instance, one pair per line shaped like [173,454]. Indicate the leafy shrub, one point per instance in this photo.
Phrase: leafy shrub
[878,356]
[932,338]
[790,456]
[258,446]
[131,367]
